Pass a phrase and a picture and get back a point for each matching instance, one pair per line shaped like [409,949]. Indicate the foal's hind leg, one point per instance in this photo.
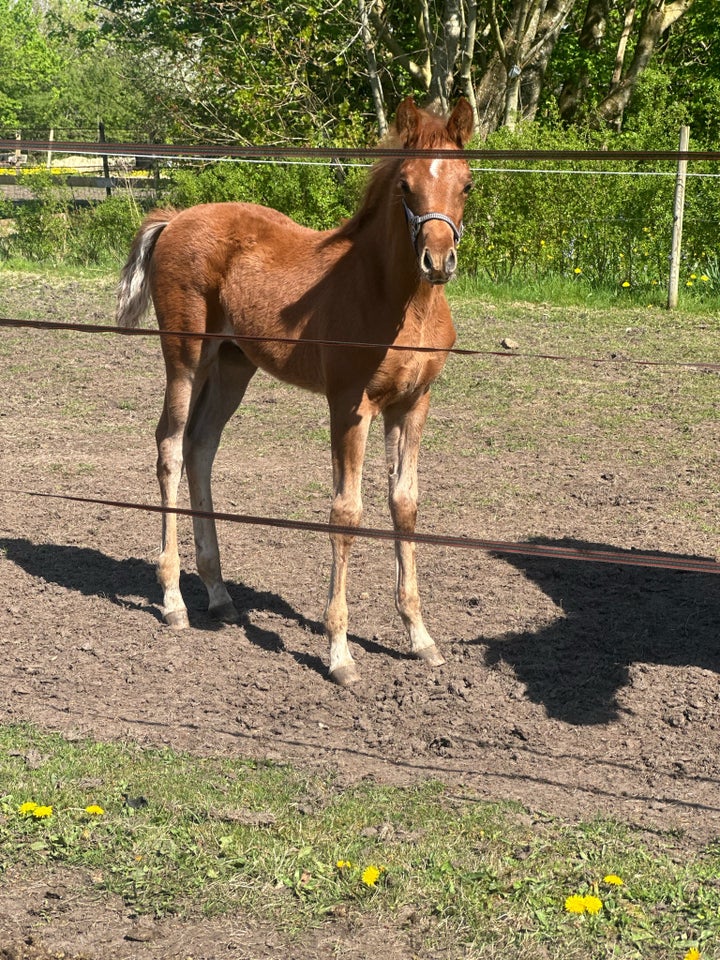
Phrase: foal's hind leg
[169,438]
[403,430]
[226,382]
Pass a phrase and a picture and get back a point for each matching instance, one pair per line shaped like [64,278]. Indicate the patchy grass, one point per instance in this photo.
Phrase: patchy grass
[171,833]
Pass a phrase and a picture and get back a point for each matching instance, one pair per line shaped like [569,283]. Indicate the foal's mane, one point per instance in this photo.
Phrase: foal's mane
[430,133]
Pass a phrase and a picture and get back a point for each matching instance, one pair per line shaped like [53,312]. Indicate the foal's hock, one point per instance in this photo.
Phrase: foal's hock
[241,270]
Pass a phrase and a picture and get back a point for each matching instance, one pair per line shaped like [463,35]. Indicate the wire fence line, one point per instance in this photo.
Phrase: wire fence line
[632,557]
[618,556]
[709,365]
[214,151]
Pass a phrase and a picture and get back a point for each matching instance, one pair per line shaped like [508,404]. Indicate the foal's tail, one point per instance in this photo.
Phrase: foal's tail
[133,297]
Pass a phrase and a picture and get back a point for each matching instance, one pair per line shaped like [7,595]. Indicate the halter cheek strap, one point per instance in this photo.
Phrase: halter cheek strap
[415,222]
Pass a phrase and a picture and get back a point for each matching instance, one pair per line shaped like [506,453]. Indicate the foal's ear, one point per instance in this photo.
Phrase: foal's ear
[461,123]
[407,121]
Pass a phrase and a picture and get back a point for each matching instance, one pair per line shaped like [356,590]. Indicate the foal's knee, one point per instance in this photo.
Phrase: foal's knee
[345,512]
[403,508]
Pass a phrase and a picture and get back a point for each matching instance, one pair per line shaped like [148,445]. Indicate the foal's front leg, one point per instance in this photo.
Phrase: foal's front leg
[403,430]
[349,430]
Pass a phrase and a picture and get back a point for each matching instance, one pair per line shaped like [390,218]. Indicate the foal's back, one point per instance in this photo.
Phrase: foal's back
[250,271]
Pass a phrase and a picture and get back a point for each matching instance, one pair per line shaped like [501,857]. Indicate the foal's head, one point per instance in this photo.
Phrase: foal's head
[433,191]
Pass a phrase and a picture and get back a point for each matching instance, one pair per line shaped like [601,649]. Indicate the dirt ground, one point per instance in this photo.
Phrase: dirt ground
[578,689]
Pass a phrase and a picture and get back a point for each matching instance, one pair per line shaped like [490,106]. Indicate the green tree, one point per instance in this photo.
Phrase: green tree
[30,67]
[251,70]
[136,96]
[691,57]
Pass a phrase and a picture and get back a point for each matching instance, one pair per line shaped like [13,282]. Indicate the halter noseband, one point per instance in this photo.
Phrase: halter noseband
[415,222]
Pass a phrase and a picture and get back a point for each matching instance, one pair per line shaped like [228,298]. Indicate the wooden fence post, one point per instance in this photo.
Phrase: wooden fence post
[49,156]
[106,165]
[678,213]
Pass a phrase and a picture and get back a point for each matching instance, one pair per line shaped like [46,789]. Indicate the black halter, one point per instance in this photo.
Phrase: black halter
[415,222]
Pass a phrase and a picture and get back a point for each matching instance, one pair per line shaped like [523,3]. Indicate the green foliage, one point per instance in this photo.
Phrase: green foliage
[29,66]
[691,60]
[102,234]
[42,226]
[252,70]
[315,195]
[220,835]
[51,229]
[598,224]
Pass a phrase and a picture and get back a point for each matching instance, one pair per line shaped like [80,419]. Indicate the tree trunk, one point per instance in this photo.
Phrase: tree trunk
[373,75]
[510,87]
[468,52]
[594,25]
[445,54]
[592,35]
[538,57]
[622,43]
[490,94]
[658,17]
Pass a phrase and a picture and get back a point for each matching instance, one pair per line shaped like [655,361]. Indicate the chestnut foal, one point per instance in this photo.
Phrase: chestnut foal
[241,270]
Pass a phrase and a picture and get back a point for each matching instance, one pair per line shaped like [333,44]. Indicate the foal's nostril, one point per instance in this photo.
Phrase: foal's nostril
[427,261]
[451,262]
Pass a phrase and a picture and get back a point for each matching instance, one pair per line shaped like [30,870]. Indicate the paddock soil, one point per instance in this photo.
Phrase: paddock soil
[578,689]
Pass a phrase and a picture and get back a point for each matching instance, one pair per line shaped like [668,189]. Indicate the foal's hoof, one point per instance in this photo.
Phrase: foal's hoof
[225,612]
[345,676]
[177,619]
[430,655]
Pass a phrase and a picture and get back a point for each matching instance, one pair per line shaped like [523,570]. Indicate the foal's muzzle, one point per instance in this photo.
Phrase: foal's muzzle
[436,266]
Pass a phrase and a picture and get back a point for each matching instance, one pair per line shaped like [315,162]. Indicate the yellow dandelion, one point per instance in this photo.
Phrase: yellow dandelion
[693,276]
[577,270]
[626,283]
[94,810]
[705,278]
[613,880]
[575,904]
[593,904]
[689,283]
[42,812]
[370,876]
[692,954]
[27,808]
[343,865]
[542,243]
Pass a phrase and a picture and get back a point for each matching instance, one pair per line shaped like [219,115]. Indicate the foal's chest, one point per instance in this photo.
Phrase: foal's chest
[404,375]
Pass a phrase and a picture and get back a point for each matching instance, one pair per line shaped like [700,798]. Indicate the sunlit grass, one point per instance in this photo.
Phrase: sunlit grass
[170,833]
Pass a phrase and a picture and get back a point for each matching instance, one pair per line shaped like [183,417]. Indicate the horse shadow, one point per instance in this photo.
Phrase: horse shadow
[92,573]
[613,616]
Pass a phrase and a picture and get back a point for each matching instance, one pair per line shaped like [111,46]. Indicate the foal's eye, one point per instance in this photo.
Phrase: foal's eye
[404,186]
[467,188]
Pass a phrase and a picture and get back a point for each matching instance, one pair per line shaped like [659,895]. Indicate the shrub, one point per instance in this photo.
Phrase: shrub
[313,194]
[102,234]
[42,225]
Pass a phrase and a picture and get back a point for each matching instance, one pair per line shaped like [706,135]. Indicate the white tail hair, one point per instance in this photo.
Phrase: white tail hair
[133,296]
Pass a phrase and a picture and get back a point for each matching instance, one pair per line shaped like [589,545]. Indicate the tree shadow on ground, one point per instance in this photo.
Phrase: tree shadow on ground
[613,616]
